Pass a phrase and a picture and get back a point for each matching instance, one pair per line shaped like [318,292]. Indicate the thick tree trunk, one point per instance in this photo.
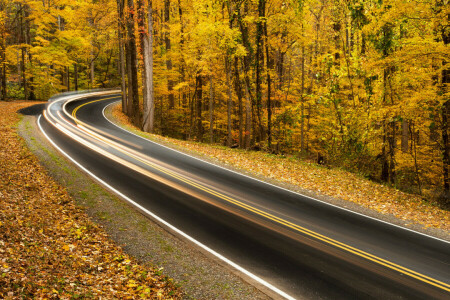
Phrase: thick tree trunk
[31,95]
[147,74]
[259,62]
[133,107]
[182,64]
[246,70]
[168,48]
[122,65]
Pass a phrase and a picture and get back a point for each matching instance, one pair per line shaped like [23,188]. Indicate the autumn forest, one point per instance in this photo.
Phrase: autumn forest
[358,84]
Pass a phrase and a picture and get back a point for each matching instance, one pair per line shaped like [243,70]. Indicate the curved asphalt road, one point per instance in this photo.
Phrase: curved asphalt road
[301,246]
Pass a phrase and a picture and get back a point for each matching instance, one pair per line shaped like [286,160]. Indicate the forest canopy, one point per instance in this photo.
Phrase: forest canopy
[362,85]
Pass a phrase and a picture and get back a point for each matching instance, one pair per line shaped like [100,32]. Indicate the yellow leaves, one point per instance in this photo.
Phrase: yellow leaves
[132,284]
[52,249]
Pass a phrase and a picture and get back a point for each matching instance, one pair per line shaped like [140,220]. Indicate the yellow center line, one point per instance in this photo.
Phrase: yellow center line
[281,221]
[74,112]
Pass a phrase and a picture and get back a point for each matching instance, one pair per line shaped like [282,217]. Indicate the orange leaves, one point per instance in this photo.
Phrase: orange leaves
[48,246]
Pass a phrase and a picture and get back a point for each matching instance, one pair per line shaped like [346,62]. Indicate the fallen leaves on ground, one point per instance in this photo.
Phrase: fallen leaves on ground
[331,182]
[48,246]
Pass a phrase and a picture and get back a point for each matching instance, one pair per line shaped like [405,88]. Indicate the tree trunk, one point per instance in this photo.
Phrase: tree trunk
[229,102]
[446,145]
[75,76]
[259,61]
[108,63]
[92,69]
[246,70]
[133,107]
[237,85]
[122,66]
[384,161]
[168,47]
[302,100]
[199,86]
[147,74]
[392,142]
[68,78]
[24,77]
[445,118]
[269,66]
[182,64]
[30,88]
[2,61]
[4,88]
[405,136]
[211,110]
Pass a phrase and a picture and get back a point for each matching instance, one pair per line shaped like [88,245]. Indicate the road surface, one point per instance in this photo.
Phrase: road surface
[293,245]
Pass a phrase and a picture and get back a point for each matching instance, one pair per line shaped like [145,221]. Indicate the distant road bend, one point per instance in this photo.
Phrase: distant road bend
[289,245]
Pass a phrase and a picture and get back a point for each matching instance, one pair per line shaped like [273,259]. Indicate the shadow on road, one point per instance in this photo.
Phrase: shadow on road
[32,110]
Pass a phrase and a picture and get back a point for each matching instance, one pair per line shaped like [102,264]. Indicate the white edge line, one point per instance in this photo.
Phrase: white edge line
[157,218]
[273,185]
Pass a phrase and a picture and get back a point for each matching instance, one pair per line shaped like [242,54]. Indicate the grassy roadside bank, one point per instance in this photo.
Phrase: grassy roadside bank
[387,203]
[49,248]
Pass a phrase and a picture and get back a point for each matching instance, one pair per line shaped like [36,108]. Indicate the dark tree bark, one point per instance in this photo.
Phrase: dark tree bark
[269,66]
[133,96]
[405,136]
[229,101]
[445,112]
[68,78]
[31,95]
[2,62]
[211,109]
[259,62]
[146,36]
[184,96]
[246,61]
[198,96]
[168,48]
[75,76]
[122,65]
[238,89]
